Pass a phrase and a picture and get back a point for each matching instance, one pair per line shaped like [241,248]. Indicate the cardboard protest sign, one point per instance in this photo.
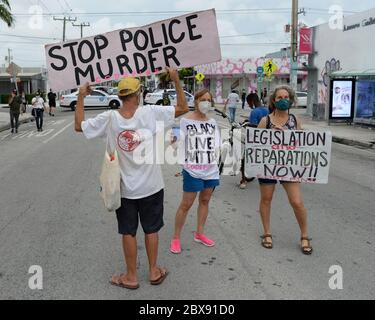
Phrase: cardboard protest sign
[184,41]
[295,156]
[200,143]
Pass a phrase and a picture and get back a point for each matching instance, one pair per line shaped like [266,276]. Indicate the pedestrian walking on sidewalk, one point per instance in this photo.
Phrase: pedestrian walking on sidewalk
[258,112]
[200,146]
[51,102]
[142,186]
[38,111]
[264,95]
[232,102]
[243,98]
[15,102]
[24,103]
[281,100]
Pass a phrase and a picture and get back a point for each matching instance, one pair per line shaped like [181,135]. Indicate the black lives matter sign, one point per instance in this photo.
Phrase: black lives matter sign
[294,156]
[183,41]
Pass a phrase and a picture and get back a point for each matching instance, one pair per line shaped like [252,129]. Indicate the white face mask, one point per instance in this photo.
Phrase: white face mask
[204,106]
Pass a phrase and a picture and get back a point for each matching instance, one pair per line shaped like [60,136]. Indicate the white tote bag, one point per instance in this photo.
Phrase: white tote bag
[110,176]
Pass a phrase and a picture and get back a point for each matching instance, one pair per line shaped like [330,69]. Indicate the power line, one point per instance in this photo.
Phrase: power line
[61,6]
[67,4]
[81,25]
[31,37]
[251,34]
[65,20]
[88,24]
[142,13]
[255,44]
[325,10]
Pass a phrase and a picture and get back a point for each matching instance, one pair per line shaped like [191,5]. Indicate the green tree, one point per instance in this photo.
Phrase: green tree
[5,13]
[164,79]
[184,72]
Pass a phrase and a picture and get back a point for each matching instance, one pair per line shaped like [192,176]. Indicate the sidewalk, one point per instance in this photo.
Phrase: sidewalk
[5,120]
[354,135]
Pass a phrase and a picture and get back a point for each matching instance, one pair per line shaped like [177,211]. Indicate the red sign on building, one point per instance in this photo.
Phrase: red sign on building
[306,41]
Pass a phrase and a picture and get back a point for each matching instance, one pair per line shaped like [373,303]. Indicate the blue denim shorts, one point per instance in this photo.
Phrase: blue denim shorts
[192,184]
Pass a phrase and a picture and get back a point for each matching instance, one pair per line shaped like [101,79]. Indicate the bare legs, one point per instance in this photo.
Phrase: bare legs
[293,191]
[204,200]
[186,203]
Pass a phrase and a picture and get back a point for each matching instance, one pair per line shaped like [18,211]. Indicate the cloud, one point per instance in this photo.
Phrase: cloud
[29,52]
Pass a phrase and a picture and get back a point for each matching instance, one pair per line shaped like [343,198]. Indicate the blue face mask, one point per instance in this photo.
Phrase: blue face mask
[283,104]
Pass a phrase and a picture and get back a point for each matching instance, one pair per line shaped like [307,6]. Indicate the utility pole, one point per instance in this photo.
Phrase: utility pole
[9,57]
[82,25]
[294,46]
[65,20]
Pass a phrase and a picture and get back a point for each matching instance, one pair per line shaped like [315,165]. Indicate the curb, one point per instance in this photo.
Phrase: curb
[349,142]
[7,126]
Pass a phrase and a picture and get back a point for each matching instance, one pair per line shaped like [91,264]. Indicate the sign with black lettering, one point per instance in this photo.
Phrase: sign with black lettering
[293,156]
[180,42]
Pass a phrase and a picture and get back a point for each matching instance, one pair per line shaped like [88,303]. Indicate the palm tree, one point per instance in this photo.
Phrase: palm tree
[5,14]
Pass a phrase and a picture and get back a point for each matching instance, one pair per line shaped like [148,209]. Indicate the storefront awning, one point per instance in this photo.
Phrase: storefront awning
[354,73]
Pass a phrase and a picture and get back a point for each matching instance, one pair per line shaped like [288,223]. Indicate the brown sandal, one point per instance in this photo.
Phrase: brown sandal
[267,244]
[163,275]
[307,250]
[117,281]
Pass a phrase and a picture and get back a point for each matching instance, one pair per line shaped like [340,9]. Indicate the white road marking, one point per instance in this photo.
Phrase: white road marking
[58,132]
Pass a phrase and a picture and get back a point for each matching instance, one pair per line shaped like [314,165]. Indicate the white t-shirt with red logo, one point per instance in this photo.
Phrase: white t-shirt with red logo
[136,145]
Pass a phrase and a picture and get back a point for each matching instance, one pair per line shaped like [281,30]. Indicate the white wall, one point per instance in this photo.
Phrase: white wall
[348,51]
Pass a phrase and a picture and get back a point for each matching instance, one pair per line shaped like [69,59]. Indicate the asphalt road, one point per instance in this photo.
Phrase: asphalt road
[51,216]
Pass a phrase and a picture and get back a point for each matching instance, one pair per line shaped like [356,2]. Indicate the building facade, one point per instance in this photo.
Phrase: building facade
[346,51]
[29,80]
[239,74]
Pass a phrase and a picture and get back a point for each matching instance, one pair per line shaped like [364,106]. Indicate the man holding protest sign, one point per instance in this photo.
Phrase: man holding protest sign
[130,129]
[282,99]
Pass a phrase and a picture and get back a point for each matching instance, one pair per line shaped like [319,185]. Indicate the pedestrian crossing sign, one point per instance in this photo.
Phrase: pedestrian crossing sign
[269,67]
[200,76]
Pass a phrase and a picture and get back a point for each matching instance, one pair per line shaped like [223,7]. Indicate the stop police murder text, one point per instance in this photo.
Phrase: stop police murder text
[140,38]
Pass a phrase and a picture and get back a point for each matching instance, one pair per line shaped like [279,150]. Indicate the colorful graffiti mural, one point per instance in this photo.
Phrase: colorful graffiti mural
[246,66]
[330,66]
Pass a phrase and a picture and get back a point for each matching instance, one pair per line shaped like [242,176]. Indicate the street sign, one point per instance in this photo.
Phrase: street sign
[200,77]
[260,79]
[13,69]
[260,71]
[269,67]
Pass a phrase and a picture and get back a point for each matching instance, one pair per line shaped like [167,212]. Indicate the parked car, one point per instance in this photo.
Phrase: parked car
[97,98]
[106,89]
[156,97]
[302,99]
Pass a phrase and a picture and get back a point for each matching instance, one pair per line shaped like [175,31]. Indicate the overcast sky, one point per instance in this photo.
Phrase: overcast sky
[268,19]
